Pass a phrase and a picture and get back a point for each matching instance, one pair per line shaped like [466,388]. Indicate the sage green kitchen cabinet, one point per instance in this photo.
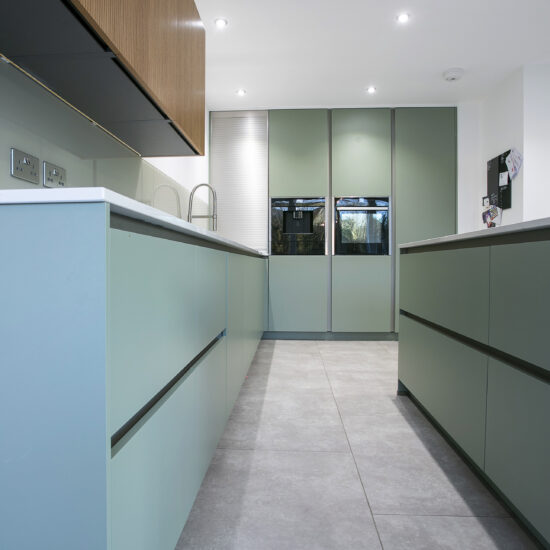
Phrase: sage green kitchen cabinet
[163,314]
[449,379]
[144,322]
[361,294]
[518,441]
[520,301]
[449,288]
[156,475]
[299,153]
[298,293]
[361,152]
[425,176]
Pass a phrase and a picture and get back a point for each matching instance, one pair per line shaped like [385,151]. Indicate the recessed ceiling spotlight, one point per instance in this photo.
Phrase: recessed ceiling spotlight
[454,74]
[221,23]
[403,18]
[371,90]
[241,92]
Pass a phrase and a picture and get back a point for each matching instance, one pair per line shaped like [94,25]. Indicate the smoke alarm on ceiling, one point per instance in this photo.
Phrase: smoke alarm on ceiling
[451,75]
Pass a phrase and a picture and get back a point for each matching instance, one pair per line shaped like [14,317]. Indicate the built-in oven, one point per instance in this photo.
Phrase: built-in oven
[361,225]
[298,226]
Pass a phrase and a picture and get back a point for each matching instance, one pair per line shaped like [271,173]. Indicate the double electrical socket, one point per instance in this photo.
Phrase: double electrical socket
[26,167]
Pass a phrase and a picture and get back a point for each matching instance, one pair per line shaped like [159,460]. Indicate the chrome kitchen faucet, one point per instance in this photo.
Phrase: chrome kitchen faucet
[214,214]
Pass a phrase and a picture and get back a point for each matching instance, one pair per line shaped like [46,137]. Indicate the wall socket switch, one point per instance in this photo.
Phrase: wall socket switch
[53,176]
[24,166]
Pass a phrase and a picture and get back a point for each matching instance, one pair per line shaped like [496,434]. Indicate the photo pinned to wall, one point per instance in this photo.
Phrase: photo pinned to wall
[492,216]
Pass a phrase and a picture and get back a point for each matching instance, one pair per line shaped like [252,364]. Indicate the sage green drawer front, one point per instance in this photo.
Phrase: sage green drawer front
[298,153]
[361,152]
[156,475]
[236,308]
[167,302]
[361,294]
[520,300]
[298,293]
[210,282]
[449,288]
[449,379]
[517,454]
[246,315]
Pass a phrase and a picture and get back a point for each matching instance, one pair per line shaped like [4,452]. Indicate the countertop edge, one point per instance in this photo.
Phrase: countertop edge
[521,227]
[119,204]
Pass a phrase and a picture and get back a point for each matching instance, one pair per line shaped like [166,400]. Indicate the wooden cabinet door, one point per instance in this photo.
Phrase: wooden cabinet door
[161,43]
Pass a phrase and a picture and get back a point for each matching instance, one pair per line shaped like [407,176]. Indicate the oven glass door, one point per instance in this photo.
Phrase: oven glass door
[298,226]
[361,226]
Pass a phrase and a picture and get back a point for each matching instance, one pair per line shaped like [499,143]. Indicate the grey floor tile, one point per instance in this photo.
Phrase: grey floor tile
[255,405]
[266,500]
[358,404]
[450,533]
[408,468]
[401,432]
[298,434]
[284,476]
[416,483]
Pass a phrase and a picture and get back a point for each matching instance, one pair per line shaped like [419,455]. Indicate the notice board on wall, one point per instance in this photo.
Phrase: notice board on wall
[499,182]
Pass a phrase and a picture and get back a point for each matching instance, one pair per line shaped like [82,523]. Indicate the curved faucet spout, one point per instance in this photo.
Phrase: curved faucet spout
[214,215]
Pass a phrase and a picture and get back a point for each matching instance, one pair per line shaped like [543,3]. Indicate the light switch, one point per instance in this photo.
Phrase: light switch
[24,166]
[54,176]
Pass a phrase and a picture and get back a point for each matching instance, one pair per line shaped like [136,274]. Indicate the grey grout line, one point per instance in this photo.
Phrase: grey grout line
[303,451]
[351,451]
[444,516]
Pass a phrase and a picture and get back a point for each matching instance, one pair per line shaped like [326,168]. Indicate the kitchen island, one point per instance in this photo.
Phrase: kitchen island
[473,353]
[126,335]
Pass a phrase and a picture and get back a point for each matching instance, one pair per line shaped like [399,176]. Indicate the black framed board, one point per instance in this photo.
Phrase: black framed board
[499,184]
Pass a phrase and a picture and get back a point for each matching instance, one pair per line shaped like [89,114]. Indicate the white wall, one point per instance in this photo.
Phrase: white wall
[515,114]
[187,172]
[487,128]
[502,129]
[471,176]
[536,141]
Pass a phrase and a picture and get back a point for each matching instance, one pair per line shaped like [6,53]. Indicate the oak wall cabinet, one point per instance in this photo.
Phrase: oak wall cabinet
[162,44]
[136,68]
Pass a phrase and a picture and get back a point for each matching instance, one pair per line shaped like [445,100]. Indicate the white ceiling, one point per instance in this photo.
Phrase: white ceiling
[320,53]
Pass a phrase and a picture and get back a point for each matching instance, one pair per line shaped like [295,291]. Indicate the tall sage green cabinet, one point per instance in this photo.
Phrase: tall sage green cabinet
[407,155]
[361,167]
[425,176]
[361,152]
[299,153]
[298,167]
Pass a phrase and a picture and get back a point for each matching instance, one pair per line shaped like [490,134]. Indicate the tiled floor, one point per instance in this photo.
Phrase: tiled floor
[320,453]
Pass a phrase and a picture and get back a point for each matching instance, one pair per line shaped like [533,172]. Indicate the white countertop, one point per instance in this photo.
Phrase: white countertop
[543,223]
[119,204]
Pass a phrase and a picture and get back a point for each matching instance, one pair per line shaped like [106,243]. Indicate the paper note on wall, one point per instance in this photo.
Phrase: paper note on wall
[503,179]
[514,161]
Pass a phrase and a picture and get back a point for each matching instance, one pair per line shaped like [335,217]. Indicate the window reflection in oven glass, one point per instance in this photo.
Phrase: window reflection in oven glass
[361,226]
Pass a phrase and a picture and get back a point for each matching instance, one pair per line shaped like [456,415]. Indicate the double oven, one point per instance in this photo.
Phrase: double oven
[359,226]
